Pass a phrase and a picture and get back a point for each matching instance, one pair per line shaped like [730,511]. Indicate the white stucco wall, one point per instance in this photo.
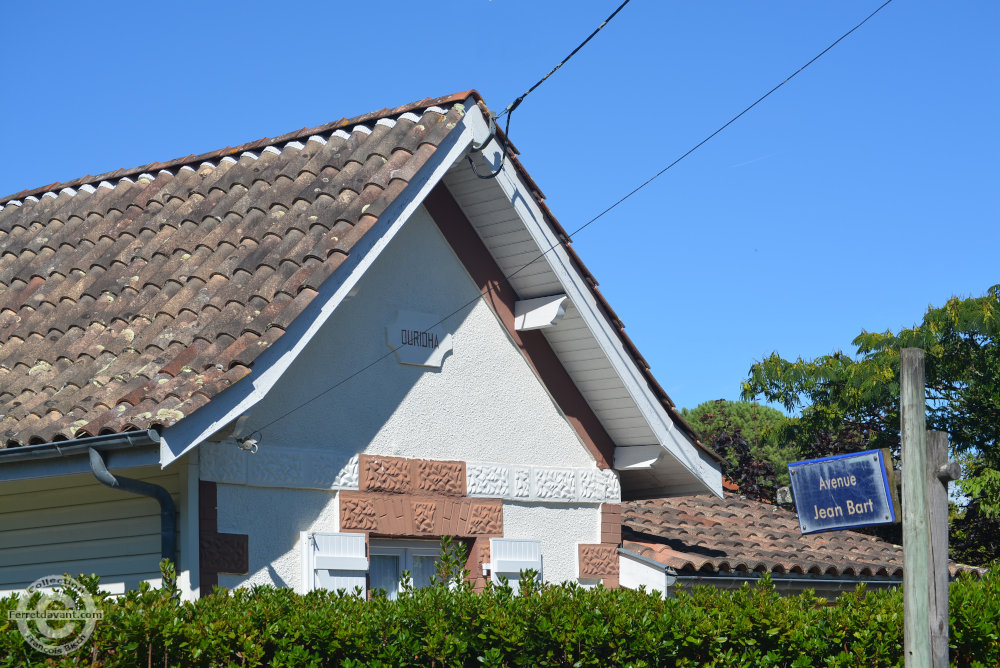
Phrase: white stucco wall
[559,529]
[484,404]
[273,518]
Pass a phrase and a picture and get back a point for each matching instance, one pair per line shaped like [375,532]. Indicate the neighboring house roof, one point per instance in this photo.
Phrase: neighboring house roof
[707,536]
[133,299]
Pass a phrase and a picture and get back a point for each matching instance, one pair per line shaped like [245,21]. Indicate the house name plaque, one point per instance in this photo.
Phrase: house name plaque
[418,339]
[844,491]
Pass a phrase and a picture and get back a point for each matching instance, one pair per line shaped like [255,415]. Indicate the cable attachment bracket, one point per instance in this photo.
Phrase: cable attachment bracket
[480,147]
[490,137]
[249,443]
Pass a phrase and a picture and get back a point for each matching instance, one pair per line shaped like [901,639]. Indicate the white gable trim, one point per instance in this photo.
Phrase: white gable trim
[272,363]
[675,443]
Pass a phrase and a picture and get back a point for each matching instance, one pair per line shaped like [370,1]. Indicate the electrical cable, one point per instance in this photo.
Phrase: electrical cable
[503,156]
[491,289]
[730,121]
[516,103]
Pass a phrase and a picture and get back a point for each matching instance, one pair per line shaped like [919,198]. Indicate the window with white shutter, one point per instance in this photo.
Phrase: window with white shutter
[510,556]
[334,561]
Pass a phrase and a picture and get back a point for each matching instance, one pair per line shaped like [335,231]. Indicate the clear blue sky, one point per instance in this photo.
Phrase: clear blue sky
[857,195]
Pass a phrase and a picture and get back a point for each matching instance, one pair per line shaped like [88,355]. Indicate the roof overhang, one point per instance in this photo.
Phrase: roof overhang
[654,454]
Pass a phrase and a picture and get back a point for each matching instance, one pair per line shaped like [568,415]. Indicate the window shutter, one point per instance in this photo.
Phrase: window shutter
[334,561]
[510,556]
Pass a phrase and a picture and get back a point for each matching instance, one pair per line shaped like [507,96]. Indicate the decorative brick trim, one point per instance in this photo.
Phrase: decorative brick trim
[598,561]
[483,269]
[611,538]
[397,475]
[479,554]
[217,552]
[611,524]
[420,516]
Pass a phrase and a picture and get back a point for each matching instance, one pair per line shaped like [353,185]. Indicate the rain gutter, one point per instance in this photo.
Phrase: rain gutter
[80,446]
[168,511]
[60,458]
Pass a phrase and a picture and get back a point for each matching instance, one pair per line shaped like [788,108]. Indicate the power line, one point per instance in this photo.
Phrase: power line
[645,183]
[731,120]
[514,105]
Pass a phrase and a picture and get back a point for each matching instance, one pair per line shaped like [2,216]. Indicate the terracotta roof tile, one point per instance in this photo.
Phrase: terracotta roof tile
[709,535]
[129,299]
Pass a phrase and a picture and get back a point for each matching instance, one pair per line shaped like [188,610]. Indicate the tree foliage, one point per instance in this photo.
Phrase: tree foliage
[750,437]
[754,476]
[758,424]
[850,403]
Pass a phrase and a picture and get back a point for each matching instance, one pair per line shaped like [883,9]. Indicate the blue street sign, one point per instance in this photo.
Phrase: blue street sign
[843,492]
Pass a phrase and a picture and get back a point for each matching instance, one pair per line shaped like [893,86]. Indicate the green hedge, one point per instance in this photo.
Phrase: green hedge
[545,625]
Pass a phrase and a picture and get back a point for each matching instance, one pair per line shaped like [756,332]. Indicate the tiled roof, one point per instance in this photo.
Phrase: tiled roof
[128,300]
[706,535]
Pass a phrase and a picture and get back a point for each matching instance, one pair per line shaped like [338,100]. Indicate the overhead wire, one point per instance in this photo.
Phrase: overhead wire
[730,121]
[506,279]
[517,102]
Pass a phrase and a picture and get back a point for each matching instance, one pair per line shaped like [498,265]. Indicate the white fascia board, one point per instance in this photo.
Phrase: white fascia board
[272,363]
[673,440]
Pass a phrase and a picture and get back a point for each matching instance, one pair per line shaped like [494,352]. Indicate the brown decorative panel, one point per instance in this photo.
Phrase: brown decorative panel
[384,474]
[217,552]
[479,554]
[397,475]
[224,553]
[424,515]
[439,477]
[598,561]
[486,519]
[360,510]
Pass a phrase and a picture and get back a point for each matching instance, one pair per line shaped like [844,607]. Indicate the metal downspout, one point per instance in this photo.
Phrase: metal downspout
[168,511]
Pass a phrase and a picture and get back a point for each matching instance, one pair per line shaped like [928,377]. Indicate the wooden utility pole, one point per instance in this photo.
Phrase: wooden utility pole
[939,473]
[916,528]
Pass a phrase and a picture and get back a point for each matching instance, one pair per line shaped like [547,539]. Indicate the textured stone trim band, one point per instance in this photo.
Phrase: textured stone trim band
[315,469]
[544,484]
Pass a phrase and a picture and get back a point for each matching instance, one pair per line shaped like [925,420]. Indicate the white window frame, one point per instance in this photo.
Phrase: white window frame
[405,550]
